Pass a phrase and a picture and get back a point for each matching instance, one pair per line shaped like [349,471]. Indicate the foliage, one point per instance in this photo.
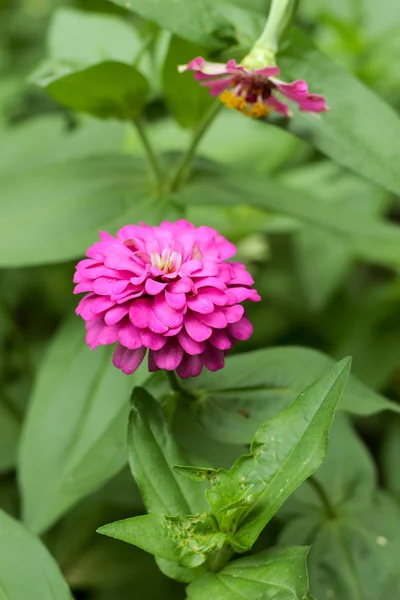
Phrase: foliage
[98,129]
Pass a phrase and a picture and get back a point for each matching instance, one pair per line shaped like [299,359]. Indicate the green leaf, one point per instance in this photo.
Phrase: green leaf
[367,237]
[287,449]
[106,90]
[184,96]
[60,208]
[347,134]
[79,39]
[390,455]
[354,532]
[152,454]
[26,568]
[9,437]
[200,22]
[276,574]
[256,385]
[74,434]
[184,540]
[323,258]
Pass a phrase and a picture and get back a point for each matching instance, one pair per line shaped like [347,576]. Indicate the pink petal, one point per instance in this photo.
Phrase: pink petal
[313,103]
[268,71]
[241,330]
[128,360]
[151,362]
[196,328]
[297,91]
[129,336]
[190,366]
[139,312]
[213,359]
[216,319]
[93,330]
[183,285]
[154,323]
[242,293]
[152,340]
[154,287]
[166,314]
[220,340]
[175,301]
[217,86]
[210,282]
[279,106]
[101,304]
[201,304]
[233,313]
[189,344]
[115,314]
[84,286]
[216,296]
[170,356]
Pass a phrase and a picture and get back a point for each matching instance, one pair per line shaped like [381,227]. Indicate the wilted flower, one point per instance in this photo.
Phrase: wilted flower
[167,289]
[253,91]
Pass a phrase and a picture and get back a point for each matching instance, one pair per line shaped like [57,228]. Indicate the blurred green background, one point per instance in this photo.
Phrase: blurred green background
[315,291]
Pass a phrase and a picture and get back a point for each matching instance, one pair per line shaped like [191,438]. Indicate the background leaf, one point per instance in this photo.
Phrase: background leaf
[346,134]
[9,437]
[184,96]
[106,90]
[280,460]
[26,568]
[276,574]
[62,207]
[256,385]
[355,538]
[74,435]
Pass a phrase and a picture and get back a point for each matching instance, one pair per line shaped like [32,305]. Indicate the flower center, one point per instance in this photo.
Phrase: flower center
[248,95]
[168,262]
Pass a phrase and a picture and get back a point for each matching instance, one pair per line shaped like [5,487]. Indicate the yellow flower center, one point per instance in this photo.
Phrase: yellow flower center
[256,110]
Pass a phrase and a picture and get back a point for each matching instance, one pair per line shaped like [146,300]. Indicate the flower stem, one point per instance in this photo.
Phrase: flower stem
[281,15]
[149,151]
[173,381]
[220,559]
[330,511]
[181,172]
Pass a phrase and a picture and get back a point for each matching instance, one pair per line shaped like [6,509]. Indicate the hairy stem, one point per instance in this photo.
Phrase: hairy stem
[183,167]
[152,158]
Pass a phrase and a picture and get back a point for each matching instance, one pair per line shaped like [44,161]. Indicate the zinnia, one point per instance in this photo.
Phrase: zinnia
[168,289]
[253,91]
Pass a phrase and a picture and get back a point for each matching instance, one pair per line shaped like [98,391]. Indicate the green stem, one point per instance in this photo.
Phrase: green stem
[221,557]
[281,15]
[173,382]
[150,152]
[330,511]
[182,169]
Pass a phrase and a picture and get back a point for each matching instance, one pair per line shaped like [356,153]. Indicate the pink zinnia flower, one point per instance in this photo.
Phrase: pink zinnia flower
[168,289]
[253,91]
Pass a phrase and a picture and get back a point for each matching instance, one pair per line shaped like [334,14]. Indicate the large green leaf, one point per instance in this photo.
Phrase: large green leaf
[200,21]
[186,541]
[26,568]
[106,90]
[184,96]
[152,454]
[391,453]
[74,434]
[9,437]
[253,386]
[276,574]
[367,237]
[347,134]
[323,258]
[354,532]
[61,207]
[287,449]
[79,39]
